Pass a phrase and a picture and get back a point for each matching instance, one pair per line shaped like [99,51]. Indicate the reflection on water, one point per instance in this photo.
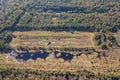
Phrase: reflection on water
[63,55]
[26,56]
[43,55]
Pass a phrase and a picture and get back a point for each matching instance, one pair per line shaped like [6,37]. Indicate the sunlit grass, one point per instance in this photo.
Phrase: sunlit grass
[57,39]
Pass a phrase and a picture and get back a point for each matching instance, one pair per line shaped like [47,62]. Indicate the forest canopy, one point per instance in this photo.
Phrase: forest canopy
[101,16]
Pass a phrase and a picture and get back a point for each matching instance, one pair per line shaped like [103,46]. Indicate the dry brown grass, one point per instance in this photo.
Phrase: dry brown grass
[110,64]
[118,36]
[57,39]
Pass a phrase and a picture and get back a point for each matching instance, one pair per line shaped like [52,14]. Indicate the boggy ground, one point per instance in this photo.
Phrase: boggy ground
[109,64]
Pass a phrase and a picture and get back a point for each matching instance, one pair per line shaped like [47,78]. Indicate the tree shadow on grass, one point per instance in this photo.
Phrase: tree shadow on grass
[33,55]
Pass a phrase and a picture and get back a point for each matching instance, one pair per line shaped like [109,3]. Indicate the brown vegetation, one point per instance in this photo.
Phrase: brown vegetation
[52,40]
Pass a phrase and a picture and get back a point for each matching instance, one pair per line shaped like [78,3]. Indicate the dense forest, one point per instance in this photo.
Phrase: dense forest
[101,16]
[81,15]
[28,74]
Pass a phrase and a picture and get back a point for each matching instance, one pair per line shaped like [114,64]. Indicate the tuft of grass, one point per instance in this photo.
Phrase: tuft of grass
[118,36]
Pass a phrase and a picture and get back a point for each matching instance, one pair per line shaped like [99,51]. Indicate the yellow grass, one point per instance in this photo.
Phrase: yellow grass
[118,36]
[64,39]
[91,62]
[108,64]
[49,33]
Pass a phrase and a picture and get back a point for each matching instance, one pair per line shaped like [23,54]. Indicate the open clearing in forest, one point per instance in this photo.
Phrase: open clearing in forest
[53,39]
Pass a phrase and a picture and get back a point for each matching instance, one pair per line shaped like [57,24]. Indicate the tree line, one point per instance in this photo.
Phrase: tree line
[29,74]
[100,16]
